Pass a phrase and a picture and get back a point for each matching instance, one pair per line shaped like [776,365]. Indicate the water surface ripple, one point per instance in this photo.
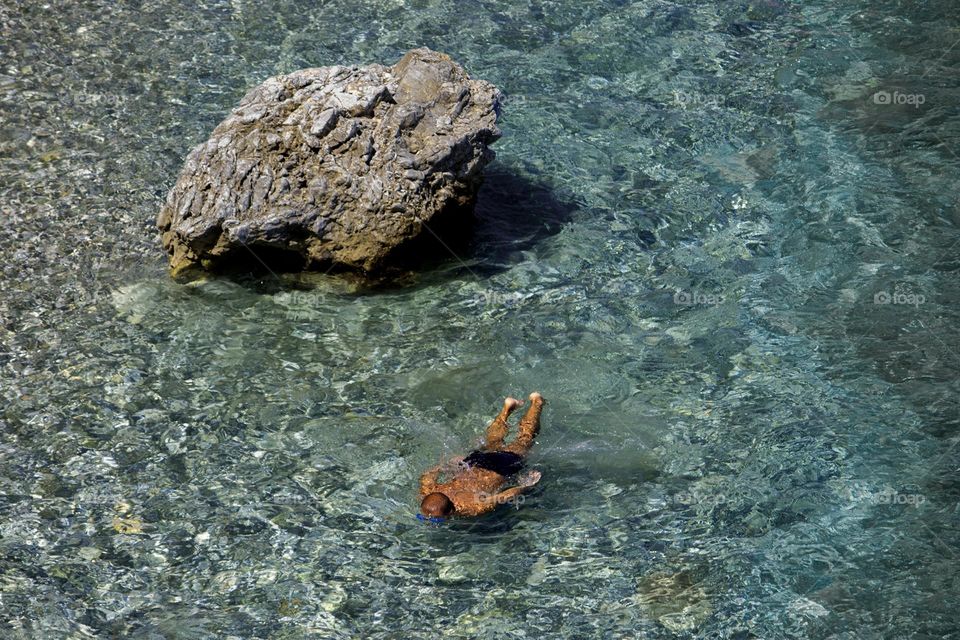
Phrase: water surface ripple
[720,238]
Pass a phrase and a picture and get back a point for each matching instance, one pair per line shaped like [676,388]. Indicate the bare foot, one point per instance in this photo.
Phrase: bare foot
[536,397]
[511,403]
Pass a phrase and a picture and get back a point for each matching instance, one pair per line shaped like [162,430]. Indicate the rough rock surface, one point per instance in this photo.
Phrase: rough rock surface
[335,166]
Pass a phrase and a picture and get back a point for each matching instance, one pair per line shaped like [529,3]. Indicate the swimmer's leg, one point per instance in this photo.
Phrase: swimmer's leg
[498,429]
[529,426]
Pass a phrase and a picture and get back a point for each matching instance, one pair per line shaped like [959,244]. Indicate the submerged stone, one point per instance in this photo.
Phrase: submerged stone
[351,167]
[675,600]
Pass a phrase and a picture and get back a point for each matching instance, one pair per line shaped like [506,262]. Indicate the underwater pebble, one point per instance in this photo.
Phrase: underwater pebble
[267,576]
[89,553]
[674,600]
[452,569]
[609,490]
[334,599]
[538,571]
[226,581]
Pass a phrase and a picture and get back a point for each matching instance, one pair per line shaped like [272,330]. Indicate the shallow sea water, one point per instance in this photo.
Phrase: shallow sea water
[720,238]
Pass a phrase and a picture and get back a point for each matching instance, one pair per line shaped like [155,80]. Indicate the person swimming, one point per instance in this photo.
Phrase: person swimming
[476,485]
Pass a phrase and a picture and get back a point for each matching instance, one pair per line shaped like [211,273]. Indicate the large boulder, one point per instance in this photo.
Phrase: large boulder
[348,167]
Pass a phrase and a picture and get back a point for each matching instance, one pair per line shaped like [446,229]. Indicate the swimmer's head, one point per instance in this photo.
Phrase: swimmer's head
[436,505]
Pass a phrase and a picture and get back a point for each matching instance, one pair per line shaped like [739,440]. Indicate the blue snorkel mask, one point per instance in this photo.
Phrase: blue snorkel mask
[431,520]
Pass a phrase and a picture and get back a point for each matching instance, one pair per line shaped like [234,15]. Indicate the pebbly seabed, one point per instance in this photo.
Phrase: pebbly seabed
[719,238]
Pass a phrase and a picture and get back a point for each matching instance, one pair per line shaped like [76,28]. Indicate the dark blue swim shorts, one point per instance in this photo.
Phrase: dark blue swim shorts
[505,463]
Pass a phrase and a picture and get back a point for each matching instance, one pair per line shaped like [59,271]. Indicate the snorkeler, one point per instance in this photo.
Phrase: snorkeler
[475,486]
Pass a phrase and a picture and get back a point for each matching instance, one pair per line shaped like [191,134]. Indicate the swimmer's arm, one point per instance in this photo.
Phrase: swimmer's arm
[486,502]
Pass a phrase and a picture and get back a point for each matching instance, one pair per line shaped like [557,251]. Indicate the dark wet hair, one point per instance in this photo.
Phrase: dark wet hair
[436,505]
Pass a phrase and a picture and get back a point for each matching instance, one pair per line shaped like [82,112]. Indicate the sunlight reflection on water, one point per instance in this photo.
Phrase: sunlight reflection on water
[693,211]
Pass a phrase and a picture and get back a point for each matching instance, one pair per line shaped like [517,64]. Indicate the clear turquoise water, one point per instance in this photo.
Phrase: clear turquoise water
[728,262]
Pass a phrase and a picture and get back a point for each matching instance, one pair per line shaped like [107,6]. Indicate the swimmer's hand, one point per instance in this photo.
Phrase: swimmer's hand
[453,465]
[529,479]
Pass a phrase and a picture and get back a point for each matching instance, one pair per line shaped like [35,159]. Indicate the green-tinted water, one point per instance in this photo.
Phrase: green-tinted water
[720,238]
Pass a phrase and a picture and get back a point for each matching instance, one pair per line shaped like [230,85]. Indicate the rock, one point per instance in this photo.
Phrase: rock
[349,167]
